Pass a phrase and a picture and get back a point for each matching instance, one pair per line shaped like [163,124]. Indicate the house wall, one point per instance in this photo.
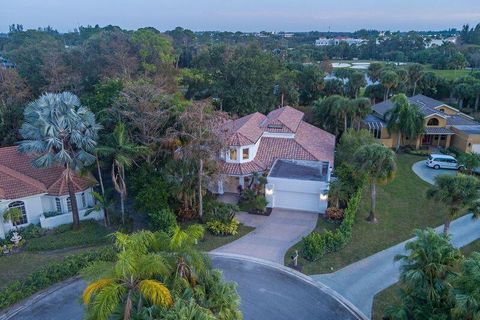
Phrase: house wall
[447,109]
[463,141]
[52,222]
[36,205]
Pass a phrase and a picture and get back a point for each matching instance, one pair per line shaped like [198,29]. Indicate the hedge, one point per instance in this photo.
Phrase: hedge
[52,273]
[316,244]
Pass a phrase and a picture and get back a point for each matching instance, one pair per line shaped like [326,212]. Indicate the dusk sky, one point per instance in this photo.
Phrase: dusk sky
[243,15]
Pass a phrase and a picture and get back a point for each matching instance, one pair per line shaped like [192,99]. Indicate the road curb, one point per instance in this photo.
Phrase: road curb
[327,290]
[10,312]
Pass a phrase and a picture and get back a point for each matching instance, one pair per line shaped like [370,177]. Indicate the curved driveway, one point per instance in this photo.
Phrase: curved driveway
[428,174]
[268,291]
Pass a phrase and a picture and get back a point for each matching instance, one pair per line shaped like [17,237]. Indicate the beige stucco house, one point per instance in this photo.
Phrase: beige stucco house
[445,126]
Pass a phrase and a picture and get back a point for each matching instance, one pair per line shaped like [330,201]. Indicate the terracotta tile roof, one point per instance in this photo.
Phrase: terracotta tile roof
[243,131]
[19,179]
[309,143]
[286,119]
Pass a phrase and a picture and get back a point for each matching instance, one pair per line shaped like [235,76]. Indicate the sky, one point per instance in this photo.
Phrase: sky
[243,15]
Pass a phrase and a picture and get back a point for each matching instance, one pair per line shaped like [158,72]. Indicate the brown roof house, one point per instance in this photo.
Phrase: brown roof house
[297,156]
[41,194]
[445,126]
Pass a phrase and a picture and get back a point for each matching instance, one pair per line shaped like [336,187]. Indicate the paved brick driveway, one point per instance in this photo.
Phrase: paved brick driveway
[273,235]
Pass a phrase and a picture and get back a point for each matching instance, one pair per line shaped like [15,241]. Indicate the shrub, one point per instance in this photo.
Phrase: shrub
[51,274]
[216,210]
[163,220]
[152,196]
[90,233]
[29,232]
[218,227]
[335,214]
[49,214]
[316,244]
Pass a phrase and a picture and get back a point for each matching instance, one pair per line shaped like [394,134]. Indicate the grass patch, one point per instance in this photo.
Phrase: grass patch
[402,207]
[18,266]
[389,296]
[211,242]
[90,233]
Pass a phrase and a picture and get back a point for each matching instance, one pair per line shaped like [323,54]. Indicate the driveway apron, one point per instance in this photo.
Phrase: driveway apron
[273,235]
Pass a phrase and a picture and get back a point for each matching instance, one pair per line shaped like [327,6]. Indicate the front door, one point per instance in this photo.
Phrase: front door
[427,140]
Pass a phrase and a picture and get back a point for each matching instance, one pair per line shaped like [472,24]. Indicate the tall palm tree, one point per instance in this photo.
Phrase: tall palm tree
[58,130]
[425,277]
[415,73]
[459,193]
[466,293]
[389,80]
[122,152]
[405,119]
[377,164]
[361,107]
[133,278]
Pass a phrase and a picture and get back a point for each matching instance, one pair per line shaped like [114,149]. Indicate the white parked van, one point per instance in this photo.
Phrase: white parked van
[437,161]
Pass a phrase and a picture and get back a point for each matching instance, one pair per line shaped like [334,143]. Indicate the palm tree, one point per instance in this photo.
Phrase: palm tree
[415,73]
[459,193]
[361,107]
[405,119]
[58,130]
[14,215]
[389,80]
[425,273]
[377,164]
[122,151]
[471,161]
[101,204]
[133,277]
[466,293]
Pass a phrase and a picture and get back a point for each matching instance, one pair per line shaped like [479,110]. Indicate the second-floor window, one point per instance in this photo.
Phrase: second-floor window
[233,154]
[245,154]
[432,122]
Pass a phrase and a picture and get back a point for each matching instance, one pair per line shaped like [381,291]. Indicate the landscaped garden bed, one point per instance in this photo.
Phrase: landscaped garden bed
[402,206]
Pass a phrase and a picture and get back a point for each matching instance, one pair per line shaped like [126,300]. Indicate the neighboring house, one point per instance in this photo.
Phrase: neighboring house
[298,156]
[445,126]
[41,194]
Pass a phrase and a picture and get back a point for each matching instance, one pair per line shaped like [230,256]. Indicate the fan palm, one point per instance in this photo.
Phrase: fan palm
[405,119]
[58,130]
[122,152]
[133,278]
[459,193]
[377,164]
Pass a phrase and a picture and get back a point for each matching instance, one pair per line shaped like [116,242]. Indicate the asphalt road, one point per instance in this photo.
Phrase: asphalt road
[267,293]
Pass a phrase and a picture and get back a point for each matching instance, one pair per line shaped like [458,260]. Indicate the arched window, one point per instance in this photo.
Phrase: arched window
[69,205]
[432,122]
[20,205]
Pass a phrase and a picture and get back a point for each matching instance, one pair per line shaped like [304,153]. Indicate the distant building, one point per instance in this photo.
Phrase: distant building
[438,42]
[321,42]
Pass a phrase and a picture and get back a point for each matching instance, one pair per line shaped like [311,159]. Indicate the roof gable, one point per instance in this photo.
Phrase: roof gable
[19,179]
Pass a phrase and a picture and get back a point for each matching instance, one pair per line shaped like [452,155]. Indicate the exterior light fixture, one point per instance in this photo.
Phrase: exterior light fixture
[269,189]
[324,195]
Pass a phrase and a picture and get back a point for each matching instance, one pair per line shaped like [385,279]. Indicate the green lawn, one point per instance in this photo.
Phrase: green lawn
[389,296]
[401,208]
[16,266]
[210,241]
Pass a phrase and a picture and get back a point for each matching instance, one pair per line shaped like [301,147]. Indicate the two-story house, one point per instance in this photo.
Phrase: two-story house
[294,153]
[445,126]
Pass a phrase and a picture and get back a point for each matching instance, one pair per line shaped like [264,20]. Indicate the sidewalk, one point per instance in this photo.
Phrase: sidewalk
[362,280]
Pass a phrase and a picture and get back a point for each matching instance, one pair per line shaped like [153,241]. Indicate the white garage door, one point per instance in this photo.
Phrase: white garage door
[296,200]
[476,148]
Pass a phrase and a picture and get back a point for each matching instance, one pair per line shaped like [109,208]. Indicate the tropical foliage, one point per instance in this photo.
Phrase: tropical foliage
[58,130]
[160,275]
[459,193]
